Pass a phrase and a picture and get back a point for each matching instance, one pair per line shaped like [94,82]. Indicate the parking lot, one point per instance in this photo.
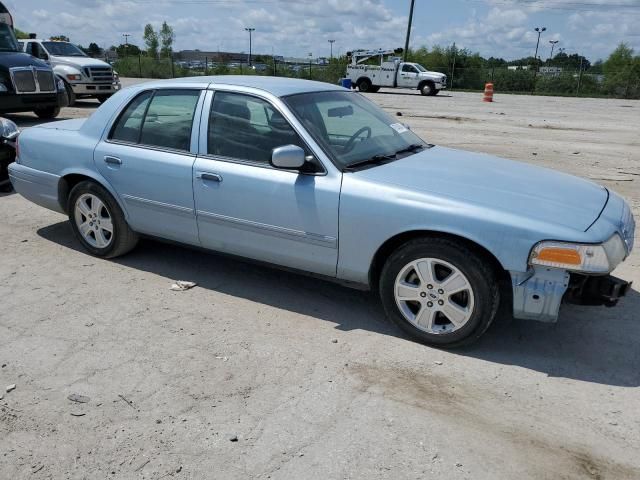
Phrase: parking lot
[260,373]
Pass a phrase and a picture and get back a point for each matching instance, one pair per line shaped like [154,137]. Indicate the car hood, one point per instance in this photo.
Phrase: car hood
[432,74]
[505,185]
[19,59]
[80,62]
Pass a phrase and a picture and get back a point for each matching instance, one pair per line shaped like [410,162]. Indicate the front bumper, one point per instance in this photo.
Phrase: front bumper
[605,290]
[95,89]
[15,103]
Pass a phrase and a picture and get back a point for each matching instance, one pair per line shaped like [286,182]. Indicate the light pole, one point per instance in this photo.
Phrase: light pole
[310,57]
[332,42]
[539,30]
[553,45]
[406,43]
[126,43]
[250,30]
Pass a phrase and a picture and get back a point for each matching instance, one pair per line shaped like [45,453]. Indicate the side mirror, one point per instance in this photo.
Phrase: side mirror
[8,130]
[289,156]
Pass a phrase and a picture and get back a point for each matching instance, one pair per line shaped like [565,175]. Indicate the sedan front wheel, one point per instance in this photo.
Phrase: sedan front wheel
[439,291]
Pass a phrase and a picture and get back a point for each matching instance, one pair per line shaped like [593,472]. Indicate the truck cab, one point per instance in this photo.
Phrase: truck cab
[83,76]
[370,70]
[26,83]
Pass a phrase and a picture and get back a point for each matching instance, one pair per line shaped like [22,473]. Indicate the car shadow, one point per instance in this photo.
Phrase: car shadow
[591,344]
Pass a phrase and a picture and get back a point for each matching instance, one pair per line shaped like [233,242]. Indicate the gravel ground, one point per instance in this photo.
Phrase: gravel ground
[258,373]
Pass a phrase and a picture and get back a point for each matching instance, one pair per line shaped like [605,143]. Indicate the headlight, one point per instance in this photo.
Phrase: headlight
[601,258]
[74,77]
[8,129]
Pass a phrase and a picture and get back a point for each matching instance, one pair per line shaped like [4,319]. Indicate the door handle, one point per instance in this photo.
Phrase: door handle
[112,160]
[212,177]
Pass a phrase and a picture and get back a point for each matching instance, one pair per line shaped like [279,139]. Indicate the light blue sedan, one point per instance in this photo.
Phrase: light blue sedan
[316,178]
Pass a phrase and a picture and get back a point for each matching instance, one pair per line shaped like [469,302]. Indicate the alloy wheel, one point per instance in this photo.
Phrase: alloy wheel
[434,296]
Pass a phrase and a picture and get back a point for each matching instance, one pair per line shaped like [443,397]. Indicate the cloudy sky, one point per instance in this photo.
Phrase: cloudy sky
[501,28]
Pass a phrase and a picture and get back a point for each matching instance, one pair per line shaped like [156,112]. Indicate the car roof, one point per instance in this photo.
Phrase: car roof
[278,86]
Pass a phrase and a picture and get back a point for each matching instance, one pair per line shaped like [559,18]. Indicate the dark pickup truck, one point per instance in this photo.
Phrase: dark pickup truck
[26,83]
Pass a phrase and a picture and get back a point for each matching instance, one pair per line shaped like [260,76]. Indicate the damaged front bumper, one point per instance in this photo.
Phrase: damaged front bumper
[538,293]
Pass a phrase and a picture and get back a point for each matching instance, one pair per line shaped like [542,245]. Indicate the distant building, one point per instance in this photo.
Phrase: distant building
[518,67]
[551,71]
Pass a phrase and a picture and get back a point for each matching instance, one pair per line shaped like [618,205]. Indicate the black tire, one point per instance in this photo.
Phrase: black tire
[427,89]
[480,274]
[364,85]
[123,238]
[71,97]
[435,92]
[103,98]
[374,89]
[48,113]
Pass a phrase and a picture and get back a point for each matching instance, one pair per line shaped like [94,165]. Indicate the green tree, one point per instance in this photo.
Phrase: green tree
[20,35]
[128,50]
[166,39]
[151,41]
[94,50]
[622,72]
[59,38]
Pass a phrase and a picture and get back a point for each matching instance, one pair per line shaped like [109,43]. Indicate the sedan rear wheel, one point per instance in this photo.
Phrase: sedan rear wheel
[98,221]
[439,291]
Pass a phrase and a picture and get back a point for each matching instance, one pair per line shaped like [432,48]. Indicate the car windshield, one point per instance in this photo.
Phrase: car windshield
[8,42]
[352,129]
[419,67]
[63,49]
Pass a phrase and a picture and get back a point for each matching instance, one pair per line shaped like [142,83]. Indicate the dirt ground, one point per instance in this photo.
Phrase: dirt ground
[308,376]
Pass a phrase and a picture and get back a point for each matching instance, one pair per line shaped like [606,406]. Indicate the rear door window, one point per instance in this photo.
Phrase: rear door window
[162,118]
[169,119]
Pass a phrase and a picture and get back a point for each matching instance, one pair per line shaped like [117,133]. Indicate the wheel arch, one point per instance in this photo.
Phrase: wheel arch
[424,82]
[70,179]
[393,243]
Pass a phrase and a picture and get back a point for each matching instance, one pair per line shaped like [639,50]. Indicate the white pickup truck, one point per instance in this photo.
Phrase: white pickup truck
[391,72]
[83,76]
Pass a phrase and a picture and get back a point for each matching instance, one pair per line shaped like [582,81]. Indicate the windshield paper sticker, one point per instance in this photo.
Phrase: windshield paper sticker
[398,127]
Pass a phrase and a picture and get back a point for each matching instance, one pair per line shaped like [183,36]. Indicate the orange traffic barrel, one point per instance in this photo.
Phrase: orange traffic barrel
[488,93]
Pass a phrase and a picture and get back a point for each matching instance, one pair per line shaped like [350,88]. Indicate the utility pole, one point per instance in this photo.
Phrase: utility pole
[579,76]
[331,42]
[406,42]
[553,45]
[310,57]
[535,58]
[250,30]
[126,43]
[539,30]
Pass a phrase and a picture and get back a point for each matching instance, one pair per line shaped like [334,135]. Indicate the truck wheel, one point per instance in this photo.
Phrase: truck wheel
[427,89]
[439,291]
[435,92]
[103,98]
[71,97]
[364,85]
[98,221]
[48,113]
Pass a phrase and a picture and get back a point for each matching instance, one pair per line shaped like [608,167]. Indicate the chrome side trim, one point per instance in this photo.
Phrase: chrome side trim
[160,206]
[265,229]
